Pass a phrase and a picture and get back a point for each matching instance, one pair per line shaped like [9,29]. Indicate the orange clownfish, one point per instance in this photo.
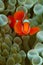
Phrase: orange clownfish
[24,28]
[17,16]
[21,26]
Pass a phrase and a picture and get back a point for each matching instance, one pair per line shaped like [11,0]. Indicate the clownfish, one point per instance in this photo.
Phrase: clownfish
[25,29]
[20,26]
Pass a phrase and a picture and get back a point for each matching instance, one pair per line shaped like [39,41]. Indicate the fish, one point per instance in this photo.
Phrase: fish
[19,15]
[25,29]
[20,27]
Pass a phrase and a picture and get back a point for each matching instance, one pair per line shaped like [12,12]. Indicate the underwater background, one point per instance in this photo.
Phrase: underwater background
[21,32]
